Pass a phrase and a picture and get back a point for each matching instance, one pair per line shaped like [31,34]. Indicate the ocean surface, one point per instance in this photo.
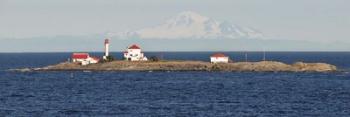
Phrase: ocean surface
[175,93]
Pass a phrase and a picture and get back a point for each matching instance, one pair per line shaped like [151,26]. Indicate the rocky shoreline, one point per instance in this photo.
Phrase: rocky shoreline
[263,66]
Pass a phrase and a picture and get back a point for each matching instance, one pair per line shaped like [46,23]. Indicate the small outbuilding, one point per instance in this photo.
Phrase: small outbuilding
[84,58]
[219,58]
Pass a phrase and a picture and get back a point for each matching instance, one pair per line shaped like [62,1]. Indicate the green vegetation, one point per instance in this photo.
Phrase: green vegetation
[154,59]
[215,67]
[108,59]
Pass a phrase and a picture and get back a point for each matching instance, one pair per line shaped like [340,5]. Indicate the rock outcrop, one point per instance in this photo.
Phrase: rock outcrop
[319,67]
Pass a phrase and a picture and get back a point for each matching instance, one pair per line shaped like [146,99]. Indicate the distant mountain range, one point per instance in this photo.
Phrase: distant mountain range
[191,25]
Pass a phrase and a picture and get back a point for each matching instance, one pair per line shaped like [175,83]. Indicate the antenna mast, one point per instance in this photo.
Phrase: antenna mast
[246,57]
[264,56]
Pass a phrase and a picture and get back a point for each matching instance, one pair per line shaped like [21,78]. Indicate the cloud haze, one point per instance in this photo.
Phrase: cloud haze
[303,20]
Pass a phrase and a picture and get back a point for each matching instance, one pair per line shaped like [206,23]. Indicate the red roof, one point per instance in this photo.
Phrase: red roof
[80,55]
[218,55]
[134,47]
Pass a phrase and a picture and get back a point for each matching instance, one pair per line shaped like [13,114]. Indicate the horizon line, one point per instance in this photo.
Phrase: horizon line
[159,51]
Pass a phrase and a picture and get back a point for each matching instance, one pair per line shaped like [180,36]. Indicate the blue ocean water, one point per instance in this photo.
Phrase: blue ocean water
[175,93]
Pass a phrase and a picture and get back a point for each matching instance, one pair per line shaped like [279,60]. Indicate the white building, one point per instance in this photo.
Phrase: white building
[219,58]
[106,49]
[134,53]
[84,58]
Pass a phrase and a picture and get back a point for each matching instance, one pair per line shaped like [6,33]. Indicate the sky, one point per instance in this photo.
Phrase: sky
[309,20]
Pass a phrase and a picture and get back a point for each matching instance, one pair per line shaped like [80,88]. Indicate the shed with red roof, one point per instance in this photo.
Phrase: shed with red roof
[219,58]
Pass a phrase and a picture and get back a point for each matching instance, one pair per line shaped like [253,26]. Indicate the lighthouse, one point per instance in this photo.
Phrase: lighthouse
[106,49]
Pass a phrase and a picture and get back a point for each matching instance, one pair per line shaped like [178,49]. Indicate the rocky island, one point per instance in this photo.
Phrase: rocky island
[263,66]
[134,60]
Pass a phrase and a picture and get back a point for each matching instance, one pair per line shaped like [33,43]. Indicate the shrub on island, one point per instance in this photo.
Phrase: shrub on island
[154,59]
[108,59]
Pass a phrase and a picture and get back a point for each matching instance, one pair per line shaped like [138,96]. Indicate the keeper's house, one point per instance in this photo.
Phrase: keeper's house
[84,58]
[134,53]
[219,58]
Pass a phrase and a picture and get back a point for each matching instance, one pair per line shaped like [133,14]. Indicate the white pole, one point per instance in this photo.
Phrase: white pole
[106,49]
[264,58]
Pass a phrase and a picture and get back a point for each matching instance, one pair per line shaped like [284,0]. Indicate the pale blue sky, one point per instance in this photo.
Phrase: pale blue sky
[315,20]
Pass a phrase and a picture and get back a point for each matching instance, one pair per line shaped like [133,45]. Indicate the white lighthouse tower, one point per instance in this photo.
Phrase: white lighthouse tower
[106,49]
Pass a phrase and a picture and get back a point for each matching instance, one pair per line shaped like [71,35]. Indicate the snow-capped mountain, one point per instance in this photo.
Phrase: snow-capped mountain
[191,25]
